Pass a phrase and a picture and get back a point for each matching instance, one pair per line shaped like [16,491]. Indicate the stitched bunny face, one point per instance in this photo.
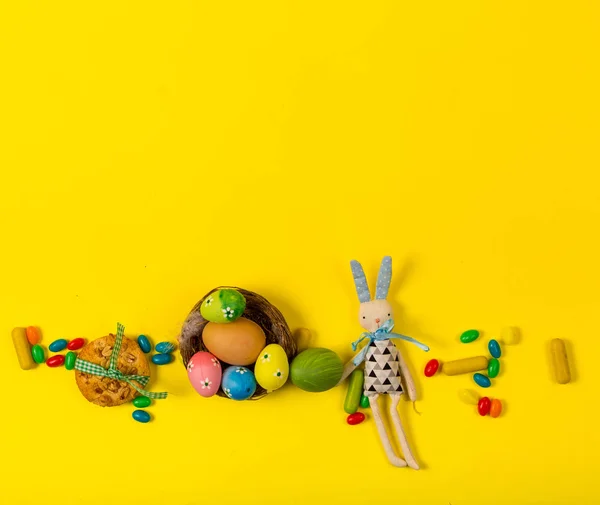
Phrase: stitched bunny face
[373,313]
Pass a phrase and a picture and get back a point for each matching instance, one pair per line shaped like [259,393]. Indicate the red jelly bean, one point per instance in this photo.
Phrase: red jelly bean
[55,361]
[484,406]
[75,344]
[356,418]
[431,367]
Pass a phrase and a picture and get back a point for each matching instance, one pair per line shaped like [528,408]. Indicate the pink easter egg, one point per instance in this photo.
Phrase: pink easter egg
[204,372]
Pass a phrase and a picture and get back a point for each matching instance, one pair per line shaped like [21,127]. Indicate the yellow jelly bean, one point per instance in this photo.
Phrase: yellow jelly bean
[510,335]
[468,396]
[465,365]
[22,348]
[560,362]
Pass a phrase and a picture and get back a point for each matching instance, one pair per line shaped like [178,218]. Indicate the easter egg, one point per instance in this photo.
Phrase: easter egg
[204,373]
[316,370]
[272,368]
[238,343]
[223,306]
[238,383]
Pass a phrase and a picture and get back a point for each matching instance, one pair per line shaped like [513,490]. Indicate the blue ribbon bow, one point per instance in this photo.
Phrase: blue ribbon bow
[384,332]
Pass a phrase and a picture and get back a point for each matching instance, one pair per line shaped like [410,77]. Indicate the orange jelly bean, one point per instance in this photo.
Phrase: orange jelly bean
[33,335]
[496,408]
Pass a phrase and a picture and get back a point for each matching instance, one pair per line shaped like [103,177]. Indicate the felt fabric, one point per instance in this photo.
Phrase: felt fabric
[384,278]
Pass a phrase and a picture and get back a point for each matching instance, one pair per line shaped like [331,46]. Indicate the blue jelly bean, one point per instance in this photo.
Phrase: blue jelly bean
[141,416]
[482,380]
[58,345]
[144,343]
[161,359]
[494,348]
[165,347]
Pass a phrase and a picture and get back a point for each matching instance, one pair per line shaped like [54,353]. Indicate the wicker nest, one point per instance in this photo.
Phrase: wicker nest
[258,310]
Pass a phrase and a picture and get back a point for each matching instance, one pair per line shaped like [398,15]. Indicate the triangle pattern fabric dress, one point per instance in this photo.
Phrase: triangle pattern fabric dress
[382,369]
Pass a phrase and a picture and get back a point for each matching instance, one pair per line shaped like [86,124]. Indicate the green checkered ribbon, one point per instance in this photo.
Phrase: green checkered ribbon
[113,373]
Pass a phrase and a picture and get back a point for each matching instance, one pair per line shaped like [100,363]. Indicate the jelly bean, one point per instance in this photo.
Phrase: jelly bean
[142,402]
[431,367]
[482,380]
[37,351]
[469,336]
[560,363]
[510,335]
[161,359]
[468,396]
[494,348]
[55,361]
[364,402]
[76,343]
[484,405]
[493,368]
[165,347]
[144,343]
[465,365]
[496,408]
[70,360]
[33,335]
[22,348]
[141,416]
[58,345]
[356,418]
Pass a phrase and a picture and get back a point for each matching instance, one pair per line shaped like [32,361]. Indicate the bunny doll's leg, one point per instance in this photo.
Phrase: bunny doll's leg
[387,446]
[400,432]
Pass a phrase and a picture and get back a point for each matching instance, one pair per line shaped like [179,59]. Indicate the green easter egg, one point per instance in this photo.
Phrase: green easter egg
[223,306]
[316,370]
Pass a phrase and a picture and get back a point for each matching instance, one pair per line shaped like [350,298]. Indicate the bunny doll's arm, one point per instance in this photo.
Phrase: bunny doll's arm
[348,368]
[408,380]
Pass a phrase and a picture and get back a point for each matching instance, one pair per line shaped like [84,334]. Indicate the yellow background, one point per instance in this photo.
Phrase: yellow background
[152,150]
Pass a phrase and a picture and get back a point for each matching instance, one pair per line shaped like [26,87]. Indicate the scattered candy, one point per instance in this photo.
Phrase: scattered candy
[57,345]
[469,336]
[141,416]
[364,402]
[76,343]
[19,337]
[355,389]
[493,368]
[165,347]
[70,360]
[484,405]
[37,352]
[55,361]
[431,367]
[356,418]
[510,335]
[496,408]
[482,381]
[468,396]
[465,365]
[494,348]
[161,359]
[141,402]
[33,335]
[144,343]
[560,363]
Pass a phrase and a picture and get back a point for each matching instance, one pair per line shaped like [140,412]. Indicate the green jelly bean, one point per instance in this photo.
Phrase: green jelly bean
[469,336]
[364,402]
[70,360]
[37,352]
[142,402]
[355,389]
[493,368]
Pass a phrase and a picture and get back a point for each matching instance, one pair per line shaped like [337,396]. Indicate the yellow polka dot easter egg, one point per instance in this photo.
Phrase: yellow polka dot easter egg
[272,368]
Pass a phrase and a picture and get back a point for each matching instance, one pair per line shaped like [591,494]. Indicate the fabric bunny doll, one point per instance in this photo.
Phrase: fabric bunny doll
[385,369]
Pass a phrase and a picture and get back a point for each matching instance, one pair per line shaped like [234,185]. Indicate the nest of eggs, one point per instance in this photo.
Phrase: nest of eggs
[258,310]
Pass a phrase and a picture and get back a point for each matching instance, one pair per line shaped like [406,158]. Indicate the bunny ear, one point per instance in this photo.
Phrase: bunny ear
[384,278]
[360,281]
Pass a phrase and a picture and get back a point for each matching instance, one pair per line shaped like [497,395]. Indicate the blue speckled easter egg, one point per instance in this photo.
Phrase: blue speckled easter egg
[238,383]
